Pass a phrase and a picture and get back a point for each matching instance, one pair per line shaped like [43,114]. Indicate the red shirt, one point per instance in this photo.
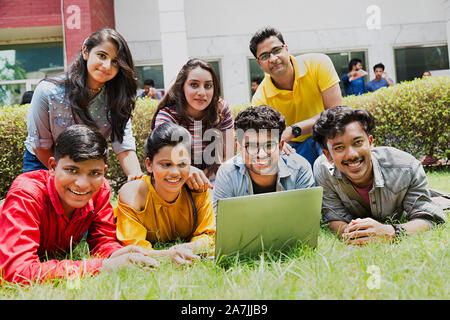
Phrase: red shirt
[33,227]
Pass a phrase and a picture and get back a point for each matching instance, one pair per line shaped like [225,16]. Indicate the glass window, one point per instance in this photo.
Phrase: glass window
[150,72]
[216,65]
[410,63]
[27,61]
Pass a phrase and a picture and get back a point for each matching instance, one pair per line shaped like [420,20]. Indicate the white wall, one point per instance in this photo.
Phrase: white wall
[221,30]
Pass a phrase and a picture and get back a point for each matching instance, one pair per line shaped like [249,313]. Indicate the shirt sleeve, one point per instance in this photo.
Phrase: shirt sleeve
[305,177]
[130,231]
[164,116]
[332,207]
[325,72]
[101,237]
[128,143]
[38,119]
[206,223]
[227,117]
[417,201]
[20,240]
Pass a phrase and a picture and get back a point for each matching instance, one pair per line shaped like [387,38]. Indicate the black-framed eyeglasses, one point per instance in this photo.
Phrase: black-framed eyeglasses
[269,147]
[275,51]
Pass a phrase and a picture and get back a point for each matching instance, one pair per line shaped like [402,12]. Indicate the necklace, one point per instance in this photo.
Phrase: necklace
[94,91]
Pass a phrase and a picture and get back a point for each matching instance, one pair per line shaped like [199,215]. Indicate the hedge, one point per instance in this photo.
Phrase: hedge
[411,116]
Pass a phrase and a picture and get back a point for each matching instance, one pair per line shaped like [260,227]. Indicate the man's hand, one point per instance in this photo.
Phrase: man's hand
[129,255]
[198,181]
[363,231]
[287,134]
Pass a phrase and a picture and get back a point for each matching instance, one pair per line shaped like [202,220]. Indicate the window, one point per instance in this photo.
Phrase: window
[410,63]
[256,73]
[151,72]
[341,59]
[32,61]
[216,65]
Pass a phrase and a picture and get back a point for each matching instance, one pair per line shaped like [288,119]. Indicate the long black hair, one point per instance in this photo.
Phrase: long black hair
[120,91]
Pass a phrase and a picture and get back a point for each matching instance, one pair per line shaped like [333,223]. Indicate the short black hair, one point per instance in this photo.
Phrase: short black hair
[263,34]
[334,120]
[257,118]
[378,65]
[166,134]
[353,62]
[80,142]
[149,82]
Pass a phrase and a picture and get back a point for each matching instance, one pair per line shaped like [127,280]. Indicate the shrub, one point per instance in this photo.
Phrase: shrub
[411,116]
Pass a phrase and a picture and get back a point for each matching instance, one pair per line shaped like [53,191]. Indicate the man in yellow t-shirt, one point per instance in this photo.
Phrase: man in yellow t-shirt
[299,87]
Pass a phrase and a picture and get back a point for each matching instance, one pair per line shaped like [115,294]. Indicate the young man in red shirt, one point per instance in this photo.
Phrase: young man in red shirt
[48,212]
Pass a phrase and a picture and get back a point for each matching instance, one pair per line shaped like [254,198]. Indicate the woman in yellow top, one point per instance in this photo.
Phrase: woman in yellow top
[160,207]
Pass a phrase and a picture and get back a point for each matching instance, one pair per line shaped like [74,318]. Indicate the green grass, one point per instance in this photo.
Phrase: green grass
[414,268]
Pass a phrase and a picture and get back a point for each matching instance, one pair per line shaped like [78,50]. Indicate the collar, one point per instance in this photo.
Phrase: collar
[56,202]
[299,71]
[378,180]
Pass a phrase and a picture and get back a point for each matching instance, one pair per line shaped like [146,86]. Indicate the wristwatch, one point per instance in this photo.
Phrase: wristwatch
[296,131]
[399,230]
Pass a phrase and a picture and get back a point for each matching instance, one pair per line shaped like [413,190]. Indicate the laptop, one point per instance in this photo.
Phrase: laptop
[268,221]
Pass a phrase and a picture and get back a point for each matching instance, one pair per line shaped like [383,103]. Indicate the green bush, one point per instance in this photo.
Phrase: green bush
[411,116]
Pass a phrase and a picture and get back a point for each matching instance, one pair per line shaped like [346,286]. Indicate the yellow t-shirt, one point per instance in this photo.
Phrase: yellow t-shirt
[161,221]
[314,73]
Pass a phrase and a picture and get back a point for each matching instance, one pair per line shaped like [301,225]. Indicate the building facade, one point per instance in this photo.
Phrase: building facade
[407,36]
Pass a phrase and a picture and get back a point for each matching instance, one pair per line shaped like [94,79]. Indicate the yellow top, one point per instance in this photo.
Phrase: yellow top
[163,221]
[314,73]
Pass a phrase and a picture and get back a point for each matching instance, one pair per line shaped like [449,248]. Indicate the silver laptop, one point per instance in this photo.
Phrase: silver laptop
[268,221]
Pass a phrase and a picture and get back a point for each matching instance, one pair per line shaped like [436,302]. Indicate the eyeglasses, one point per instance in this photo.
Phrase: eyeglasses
[266,55]
[268,147]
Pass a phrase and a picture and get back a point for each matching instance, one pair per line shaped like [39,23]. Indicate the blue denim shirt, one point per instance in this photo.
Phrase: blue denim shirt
[49,114]
[400,185]
[233,179]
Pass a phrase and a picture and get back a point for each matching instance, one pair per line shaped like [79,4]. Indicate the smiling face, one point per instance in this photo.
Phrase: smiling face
[170,168]
[76,182]
[260,152]
[102,64]
[198,90]
[277,64]
[350,152]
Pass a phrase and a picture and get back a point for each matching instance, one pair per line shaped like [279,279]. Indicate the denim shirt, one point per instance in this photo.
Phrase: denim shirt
[233,179]
[49,114]
[400,185]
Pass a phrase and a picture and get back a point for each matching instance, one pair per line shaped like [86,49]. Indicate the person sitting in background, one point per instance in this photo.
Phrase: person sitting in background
[365,189]
[149,90]
[426,73]
[160,207]
[353,81]
[47,212]
[381,79]
[260,166]
[255,84]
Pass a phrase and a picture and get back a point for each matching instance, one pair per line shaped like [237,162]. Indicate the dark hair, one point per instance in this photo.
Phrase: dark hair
[175,96]
[257,118]
[261,35]
[258,80]
[120,91]
[333,121]
[27,96]
[378,65]
[149,82]
[353,62]
[166,134]
[81,143]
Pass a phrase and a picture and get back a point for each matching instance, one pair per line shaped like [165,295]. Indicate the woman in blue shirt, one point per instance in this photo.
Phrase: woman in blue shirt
[99,90]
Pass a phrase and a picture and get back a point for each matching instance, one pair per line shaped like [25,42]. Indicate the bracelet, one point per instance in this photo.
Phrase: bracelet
[399,231]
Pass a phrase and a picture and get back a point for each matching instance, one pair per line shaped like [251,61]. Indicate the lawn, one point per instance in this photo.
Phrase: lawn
[414,268]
